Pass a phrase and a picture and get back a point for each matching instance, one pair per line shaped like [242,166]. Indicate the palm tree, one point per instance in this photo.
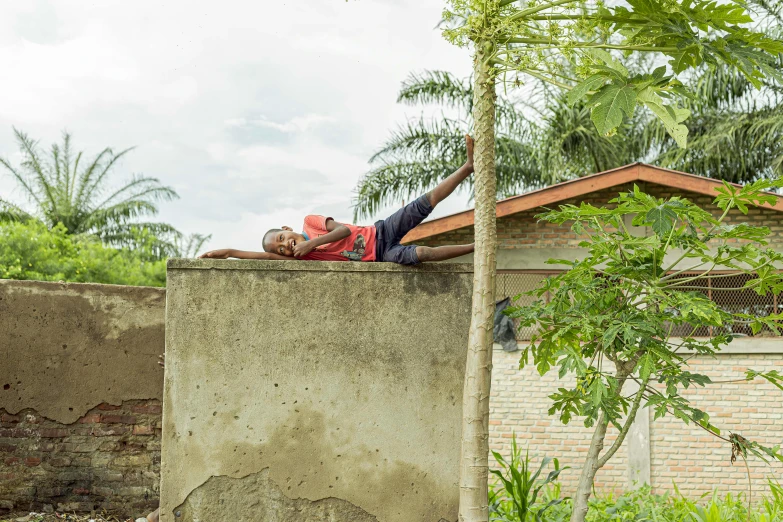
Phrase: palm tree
[735,134]
[67,188]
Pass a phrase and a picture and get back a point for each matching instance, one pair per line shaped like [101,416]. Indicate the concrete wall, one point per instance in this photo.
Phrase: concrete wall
[80,396]
[301,391]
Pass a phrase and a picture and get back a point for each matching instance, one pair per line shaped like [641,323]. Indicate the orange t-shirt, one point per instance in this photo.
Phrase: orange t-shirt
[359,246]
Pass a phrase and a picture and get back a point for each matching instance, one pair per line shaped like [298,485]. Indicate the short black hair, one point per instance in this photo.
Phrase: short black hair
[266,235]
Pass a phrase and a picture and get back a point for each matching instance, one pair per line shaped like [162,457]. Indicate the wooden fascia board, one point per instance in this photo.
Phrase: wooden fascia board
[531,200]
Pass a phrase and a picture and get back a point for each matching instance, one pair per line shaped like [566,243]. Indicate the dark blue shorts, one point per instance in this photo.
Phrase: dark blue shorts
[390,231]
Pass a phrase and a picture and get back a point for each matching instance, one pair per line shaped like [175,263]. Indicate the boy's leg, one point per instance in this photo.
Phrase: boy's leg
[413,255]
[447,186]
[412,214]
[442,253]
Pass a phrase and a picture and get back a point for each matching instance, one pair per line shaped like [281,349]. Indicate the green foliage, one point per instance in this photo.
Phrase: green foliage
[514,495]
[641,505]
[570,43]
[68,189]
[32,251]
[611,316]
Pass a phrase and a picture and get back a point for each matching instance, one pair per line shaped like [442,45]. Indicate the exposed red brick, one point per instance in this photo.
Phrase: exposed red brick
[147,408]
[118,419]
[108,407]
[92,418]
[32,461]
[99,431]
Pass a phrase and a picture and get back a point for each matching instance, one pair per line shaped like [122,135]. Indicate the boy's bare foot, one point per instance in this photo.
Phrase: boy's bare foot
[469,147]
[154,516]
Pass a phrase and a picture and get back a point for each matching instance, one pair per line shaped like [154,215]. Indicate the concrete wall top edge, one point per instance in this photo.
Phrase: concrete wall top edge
[13,284]
[313,266]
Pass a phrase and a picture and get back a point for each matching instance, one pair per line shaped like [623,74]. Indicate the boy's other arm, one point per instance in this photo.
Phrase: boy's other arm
[225,253]
[336,232]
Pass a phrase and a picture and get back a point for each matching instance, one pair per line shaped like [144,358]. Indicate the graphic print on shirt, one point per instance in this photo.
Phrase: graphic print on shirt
[358,249]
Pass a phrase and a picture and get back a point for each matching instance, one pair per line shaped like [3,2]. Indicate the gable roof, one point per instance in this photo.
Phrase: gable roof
[575,188]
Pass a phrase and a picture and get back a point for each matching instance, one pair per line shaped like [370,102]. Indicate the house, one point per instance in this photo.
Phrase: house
[665,451]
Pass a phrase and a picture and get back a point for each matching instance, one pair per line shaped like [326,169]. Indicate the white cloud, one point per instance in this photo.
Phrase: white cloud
[294,125]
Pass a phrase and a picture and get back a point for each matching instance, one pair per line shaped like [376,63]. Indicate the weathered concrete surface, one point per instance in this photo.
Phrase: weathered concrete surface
[300,391]
[66,348]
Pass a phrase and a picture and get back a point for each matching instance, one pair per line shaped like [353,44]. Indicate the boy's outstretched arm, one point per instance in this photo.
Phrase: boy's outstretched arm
[225,253]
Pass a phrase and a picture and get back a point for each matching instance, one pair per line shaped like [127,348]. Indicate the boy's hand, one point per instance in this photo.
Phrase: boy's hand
[303,248]
[223,253]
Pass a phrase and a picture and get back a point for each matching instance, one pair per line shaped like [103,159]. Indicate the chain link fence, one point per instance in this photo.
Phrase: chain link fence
[724,288]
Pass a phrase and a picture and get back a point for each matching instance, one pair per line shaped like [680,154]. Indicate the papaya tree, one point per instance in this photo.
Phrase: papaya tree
[515,41]
[636,309]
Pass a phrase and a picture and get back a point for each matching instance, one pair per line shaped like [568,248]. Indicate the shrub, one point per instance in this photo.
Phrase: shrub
[32,251]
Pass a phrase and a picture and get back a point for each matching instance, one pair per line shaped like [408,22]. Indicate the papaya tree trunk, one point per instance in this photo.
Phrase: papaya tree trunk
[474,469]
[594,460]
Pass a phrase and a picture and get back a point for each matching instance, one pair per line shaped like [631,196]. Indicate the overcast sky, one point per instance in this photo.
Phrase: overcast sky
[257,113]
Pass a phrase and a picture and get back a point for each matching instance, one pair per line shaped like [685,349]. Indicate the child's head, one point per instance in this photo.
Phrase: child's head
[281,241]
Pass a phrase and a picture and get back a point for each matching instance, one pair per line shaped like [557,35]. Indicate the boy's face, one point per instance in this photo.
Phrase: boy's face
[283,242]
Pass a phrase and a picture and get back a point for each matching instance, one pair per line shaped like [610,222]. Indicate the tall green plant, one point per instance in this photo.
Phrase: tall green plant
[515,41]
[515,500]
[614,316]
[66,187]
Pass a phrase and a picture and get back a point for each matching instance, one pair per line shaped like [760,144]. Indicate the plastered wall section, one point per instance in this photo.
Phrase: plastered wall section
[300,391]
[68,347]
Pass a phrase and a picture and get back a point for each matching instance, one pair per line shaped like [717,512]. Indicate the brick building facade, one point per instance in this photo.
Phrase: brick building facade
[673,452]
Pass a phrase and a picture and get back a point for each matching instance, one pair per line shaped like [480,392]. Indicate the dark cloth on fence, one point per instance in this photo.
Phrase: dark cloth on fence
[504,332]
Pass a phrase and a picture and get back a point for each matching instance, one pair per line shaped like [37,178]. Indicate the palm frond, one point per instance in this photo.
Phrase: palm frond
[33,163]
[10,212]
[22,180]
[391,183]
[92,176]
[424,139]
[436,87]
[118,214]
[141,188]
[189,246]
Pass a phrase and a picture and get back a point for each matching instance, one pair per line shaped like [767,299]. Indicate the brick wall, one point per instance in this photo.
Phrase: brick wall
[109,459]
[698,462]
[519,404]
[694,460]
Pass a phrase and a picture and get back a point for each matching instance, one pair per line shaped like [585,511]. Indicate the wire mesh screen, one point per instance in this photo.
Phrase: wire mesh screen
[513,283]
[724,289]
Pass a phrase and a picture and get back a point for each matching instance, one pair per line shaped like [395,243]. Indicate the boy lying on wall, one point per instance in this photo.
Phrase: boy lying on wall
[324,239]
